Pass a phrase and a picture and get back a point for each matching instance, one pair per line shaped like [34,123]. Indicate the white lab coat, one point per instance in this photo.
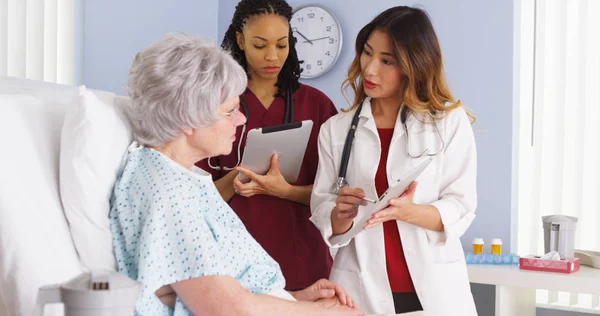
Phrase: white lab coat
[435,259]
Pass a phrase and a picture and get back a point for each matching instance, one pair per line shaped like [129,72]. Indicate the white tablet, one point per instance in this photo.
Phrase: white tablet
[287,140]
[365,212]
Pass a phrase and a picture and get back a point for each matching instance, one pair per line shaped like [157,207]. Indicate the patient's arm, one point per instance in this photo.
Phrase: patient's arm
[223,295]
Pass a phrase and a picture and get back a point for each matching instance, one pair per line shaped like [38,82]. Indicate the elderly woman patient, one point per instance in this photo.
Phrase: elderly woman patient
[172,231]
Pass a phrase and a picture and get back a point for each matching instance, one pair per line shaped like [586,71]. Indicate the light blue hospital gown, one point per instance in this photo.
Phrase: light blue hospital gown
[170,224]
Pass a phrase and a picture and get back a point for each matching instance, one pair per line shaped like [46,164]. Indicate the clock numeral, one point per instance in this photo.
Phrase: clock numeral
[311,15]
[321,19]
[328,29]
[300,20]
[319,63]
[308,66]
[331,40]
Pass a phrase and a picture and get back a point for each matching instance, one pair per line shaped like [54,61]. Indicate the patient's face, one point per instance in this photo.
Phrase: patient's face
[217,139]
[265,43]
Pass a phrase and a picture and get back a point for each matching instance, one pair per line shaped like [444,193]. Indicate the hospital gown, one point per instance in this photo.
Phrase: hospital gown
[170,224]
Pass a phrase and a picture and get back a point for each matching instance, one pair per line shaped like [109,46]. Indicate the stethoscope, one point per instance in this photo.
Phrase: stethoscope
[288,118]
[341,180]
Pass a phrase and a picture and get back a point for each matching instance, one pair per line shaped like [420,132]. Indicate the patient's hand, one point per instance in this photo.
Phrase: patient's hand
[335,307]
[326,291]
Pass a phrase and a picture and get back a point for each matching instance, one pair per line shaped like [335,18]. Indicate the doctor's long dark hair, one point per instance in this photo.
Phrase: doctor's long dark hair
[290,71]
[417,52]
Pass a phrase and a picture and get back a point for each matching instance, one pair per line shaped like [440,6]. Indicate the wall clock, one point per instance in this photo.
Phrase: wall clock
[318,39]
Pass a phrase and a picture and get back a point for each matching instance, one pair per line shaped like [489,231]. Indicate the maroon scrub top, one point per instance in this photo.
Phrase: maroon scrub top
[281,226]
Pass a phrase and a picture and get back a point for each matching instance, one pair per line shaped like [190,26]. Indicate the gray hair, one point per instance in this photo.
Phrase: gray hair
[179,82]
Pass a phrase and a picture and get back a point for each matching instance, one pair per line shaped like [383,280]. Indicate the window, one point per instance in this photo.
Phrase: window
[38,39]
[558,126]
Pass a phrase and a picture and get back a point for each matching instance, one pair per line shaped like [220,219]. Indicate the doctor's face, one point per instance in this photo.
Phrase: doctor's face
[379,68]
[265,44]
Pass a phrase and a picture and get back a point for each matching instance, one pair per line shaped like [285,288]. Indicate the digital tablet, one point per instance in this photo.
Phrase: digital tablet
[365,212]
[287,140]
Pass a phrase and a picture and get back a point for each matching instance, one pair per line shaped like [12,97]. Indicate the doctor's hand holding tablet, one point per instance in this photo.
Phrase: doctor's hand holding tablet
[350,199]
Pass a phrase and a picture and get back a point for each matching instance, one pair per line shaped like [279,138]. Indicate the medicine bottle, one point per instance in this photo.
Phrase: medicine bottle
[478,246]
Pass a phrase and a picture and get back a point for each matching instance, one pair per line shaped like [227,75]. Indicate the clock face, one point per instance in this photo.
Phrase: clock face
[318,39]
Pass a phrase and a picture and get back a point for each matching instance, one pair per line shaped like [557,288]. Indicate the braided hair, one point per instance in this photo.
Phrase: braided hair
[290,71]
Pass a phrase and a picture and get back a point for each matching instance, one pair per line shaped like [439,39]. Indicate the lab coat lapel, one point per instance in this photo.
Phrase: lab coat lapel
[367,121]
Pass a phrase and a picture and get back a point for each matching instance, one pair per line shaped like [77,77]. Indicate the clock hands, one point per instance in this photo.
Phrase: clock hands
[314,40]
[307,40]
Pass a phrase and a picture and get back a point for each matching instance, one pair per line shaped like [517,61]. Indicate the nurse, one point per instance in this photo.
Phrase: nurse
[276,213]
[408,256]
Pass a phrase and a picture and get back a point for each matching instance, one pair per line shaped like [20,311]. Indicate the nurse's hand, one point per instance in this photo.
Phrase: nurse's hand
[397,208]
[273,183]
[324,289]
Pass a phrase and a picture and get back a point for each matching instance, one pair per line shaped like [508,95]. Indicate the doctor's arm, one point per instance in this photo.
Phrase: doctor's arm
[458,188]
[323,202]
[450,215]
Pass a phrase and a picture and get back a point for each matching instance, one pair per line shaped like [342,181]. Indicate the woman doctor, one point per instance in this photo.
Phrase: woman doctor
[408,256]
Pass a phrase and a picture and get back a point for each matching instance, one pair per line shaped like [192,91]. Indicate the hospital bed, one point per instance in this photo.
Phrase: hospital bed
[36,245]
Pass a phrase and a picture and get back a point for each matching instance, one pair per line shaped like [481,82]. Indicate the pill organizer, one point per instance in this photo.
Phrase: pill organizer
[502,259]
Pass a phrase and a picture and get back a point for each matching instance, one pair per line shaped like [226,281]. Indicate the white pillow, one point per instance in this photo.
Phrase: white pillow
[95,136]
[35,244]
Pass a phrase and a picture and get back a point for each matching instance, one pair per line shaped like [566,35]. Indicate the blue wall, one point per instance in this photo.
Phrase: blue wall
[477,43]
[476,39]
[116,30]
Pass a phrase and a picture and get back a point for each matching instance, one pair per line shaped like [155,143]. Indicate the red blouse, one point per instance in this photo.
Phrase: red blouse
[398,274]
[281,226]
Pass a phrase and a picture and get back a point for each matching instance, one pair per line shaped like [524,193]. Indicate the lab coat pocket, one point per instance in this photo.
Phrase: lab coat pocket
[453,290]
[351,282]
[449,252]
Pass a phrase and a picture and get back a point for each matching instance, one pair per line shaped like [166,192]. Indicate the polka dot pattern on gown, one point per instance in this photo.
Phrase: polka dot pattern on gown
[170,224]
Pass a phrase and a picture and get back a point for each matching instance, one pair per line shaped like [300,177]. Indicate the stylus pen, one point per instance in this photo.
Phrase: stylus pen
[369,200]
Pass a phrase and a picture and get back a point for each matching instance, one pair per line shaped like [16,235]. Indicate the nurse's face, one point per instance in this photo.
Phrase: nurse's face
[265,43]
[217,139]
[379,68]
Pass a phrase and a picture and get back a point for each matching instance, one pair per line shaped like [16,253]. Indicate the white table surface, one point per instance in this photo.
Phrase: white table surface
[586,280]
[515,288]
